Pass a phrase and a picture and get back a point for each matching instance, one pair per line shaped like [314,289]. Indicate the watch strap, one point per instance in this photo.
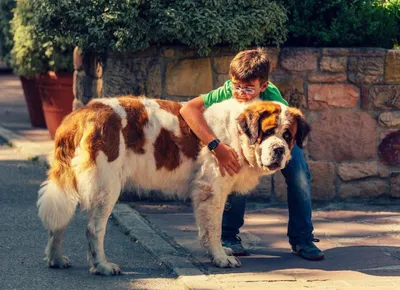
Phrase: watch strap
[213,144]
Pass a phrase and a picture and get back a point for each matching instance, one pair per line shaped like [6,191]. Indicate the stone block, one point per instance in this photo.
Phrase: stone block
[77,104]
[83,87]
[343,136]
[366,70]
[136,76]
[325,96]
[364,97]
[189,77]
[363,188]
[92,66]
[367,51]
[299,59]
[322,180]
[97,88]
[317,77]
[220,79]
[335,52]
[358,170]
[178,52]
[395,185]
[392,73]
[77,56]
[385,97]
[273,55]
[292,90]
[389,119]
[221,64]
[333,64]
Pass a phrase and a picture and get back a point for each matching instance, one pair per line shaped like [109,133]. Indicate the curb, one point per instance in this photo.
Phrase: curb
[138,228]
[28,148]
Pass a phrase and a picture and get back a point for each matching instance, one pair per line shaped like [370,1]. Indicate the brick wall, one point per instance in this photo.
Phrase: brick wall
[351,97]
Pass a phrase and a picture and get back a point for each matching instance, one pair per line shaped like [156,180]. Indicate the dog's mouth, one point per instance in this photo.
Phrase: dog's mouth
[272,166]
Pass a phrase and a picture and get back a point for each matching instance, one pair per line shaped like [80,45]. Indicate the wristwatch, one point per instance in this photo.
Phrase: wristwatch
[213,144]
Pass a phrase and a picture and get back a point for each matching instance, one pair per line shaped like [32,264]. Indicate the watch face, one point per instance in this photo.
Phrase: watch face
[213,144]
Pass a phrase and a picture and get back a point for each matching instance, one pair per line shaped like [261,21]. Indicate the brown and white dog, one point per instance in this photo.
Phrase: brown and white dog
[111,144]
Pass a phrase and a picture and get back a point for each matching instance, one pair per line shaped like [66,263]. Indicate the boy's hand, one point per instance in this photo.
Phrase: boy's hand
[227,159]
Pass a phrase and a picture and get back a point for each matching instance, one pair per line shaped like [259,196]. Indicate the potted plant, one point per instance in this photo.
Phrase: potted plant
[6,7]
[46,64]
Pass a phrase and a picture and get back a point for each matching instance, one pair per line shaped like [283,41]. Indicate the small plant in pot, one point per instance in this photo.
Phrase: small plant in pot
[6,7]
[47,64]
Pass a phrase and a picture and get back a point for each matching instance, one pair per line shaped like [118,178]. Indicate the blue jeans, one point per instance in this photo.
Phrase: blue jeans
[297,176]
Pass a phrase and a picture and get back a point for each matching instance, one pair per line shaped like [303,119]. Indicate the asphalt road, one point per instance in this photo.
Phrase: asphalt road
[23,240]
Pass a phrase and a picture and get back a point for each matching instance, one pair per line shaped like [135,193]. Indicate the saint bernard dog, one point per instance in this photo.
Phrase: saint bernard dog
[112,144]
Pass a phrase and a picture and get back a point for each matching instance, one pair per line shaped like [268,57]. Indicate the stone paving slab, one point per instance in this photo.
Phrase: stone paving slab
[361,252]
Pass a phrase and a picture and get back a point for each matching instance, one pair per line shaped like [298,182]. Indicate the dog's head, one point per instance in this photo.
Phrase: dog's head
[272,130]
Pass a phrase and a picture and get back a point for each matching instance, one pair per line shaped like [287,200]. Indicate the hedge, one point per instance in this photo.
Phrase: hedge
[103,25]
[343,22]
[6,7]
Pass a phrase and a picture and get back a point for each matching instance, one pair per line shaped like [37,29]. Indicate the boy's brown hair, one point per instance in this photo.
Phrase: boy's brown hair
[249,65]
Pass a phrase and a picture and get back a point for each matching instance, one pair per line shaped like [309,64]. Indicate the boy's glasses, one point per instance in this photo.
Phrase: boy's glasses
[244,90]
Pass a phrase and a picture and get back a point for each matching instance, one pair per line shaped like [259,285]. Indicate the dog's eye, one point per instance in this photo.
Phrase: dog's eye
[287,136]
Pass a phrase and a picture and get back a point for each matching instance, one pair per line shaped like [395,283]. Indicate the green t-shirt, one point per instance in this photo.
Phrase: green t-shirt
[225,92]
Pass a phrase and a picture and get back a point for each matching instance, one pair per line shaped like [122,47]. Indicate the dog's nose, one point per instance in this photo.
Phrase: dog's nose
[279,151]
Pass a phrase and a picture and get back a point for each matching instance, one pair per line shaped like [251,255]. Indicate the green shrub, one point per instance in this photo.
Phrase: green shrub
[342,22]
[393,7]
[6,7]
[31,55]
[105,25]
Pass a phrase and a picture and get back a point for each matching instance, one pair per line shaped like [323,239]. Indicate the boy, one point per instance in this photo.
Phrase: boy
[249,80]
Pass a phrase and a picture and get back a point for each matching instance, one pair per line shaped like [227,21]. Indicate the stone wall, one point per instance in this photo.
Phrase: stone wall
[351,97]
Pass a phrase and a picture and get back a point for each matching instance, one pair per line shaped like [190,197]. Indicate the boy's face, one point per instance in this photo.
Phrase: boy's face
[247,91]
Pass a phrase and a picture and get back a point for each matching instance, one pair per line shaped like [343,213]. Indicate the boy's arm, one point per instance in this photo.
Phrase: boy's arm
[192,113]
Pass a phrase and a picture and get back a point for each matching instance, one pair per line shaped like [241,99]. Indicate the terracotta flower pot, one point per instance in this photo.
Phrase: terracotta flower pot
[33,101]
[57,97]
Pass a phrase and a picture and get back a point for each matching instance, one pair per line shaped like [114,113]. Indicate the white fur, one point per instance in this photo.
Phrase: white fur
[56,207]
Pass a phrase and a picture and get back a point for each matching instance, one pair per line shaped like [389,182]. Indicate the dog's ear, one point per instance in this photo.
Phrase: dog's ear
[303,129]
[250,125]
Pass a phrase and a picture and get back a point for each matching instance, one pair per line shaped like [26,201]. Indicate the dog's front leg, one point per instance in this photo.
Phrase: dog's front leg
[208,204]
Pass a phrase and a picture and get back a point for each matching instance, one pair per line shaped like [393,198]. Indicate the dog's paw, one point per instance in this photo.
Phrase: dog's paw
[106,269]
[61,262]
[228,251]
[226,262]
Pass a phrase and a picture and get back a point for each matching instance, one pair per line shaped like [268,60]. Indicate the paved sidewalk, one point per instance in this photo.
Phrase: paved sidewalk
[361,242]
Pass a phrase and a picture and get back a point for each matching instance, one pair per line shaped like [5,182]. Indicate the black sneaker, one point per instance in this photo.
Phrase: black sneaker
[235,244]
[308,250]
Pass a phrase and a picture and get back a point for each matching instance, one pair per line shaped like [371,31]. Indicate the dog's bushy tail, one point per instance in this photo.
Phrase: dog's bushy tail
[56,206]
[58,195]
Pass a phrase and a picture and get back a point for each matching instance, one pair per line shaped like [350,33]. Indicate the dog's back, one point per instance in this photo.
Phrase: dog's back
[116,142]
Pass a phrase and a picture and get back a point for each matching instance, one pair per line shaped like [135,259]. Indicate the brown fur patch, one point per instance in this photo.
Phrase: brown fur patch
[166,152]
[106,131]
[137,119]
[97,126]
[168,145]
[258,118]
